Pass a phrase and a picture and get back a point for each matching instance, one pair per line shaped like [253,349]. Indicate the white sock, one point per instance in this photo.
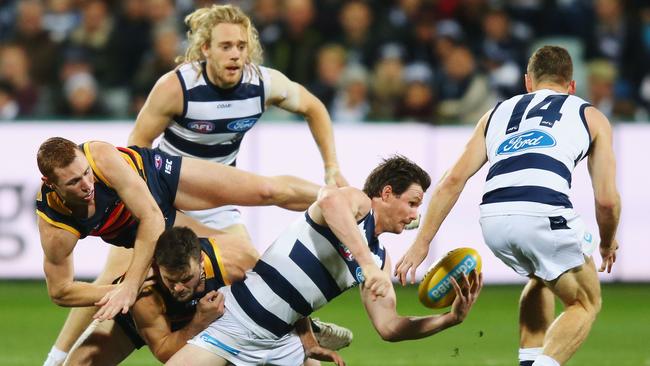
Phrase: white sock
[55,357]
[544,360]
[529,354]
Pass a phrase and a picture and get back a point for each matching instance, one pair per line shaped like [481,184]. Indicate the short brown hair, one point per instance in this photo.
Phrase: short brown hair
[175,248]
[55,152]
[551,63]
[398,172]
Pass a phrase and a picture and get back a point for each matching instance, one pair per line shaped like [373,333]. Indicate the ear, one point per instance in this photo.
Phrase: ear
[46,181]
[529,83]
[386,192]
[572,87]
[205,48]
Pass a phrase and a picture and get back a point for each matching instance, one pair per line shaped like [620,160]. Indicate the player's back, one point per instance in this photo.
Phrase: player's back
[534,141]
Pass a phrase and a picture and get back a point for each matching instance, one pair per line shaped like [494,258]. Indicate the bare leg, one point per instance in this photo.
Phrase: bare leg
[579,290]
[79,318]
[106,344]
[204,185]
[536,312]
[193,355]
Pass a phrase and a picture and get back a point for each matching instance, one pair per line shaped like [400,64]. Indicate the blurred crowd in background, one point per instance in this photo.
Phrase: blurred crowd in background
[430,61]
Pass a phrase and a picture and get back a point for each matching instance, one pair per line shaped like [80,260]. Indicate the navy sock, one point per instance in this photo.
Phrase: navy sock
[526,363]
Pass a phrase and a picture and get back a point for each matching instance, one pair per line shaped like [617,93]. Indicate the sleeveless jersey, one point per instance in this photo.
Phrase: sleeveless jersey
[214,120]
[179,313]
[112,221]
[305,268]
[534,141]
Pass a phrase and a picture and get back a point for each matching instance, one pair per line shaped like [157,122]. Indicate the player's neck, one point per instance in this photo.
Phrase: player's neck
[552,86]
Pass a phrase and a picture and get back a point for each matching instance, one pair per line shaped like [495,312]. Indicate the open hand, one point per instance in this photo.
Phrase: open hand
[608,254]
[410,262]
[119,299]
[466,294]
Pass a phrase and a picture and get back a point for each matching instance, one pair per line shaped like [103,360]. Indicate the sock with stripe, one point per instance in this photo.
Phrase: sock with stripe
[544,360]
[528,355]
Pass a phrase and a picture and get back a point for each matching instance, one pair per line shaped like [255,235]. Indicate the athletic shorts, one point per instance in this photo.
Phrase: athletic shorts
[218,218]
[228,338]
[536,245]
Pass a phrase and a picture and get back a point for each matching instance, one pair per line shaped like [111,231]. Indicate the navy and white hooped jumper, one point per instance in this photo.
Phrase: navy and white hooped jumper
[214,120]
[534,141]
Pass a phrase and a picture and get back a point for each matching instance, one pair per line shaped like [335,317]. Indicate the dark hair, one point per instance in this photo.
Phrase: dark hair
[175,247]
[55,152]
[398,172]
[551,63]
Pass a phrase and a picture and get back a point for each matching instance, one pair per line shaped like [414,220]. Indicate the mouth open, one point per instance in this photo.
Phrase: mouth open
[89,196]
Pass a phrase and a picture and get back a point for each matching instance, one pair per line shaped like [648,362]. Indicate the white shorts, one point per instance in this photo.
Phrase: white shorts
[543,246]
[230,339]
[218,218]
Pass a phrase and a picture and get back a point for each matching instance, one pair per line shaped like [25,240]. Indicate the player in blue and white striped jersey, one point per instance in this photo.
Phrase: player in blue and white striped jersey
[333,247]
[533,142]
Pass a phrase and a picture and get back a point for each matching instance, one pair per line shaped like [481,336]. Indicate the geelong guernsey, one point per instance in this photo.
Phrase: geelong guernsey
[305,268]
[534,141]
[214,120]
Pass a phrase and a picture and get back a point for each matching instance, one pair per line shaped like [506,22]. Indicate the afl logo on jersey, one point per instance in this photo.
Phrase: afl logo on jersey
[526,140]
[157,160]
[345,253]
[241,124]
[201,126]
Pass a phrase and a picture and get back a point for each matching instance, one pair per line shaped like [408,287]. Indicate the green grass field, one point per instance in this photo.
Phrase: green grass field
[621,336]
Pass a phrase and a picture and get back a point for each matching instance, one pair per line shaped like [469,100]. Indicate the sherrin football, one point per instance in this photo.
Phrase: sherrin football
[436,290]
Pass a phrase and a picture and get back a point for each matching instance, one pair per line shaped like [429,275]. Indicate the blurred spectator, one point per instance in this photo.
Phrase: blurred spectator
[81,95]
[387,83]
[161,13]
[129,41]
[417,104]
[14,69]
[8,105]
[356,19]
[502,55]
[616,37]
[60,19]
[330,66]
[463,92]
[166,47]
[7,18]
[448,36]
[93,34]
[266,17]
[294,54]
[601,76]
[351,101]
[36,41]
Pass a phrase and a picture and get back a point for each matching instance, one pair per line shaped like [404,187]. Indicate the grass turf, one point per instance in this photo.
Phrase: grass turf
[620,336]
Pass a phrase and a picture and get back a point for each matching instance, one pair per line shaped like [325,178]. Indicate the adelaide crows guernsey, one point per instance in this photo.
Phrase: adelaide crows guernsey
[534,141]
[112,220]
[214,120]
[305,268]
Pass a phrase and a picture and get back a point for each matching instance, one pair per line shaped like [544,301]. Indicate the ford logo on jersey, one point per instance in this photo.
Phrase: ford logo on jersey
[201,126]
[241,124]
[524,141]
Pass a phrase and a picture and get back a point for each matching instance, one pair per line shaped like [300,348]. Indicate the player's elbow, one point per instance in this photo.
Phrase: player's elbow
[58,295]
[388,333]
[608,202]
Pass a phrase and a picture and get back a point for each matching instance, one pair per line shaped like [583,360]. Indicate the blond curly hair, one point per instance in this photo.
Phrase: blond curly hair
[201,22]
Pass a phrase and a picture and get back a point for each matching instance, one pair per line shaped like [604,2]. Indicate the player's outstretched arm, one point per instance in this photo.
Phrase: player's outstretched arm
[312,348]
[602,169]
[135,194]
[339,209]
[58,245]
[394,328]
[293,97]
[163,103]
[152,324]
[443,199]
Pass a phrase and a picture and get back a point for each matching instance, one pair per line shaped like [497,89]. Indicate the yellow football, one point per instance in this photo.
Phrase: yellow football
[436,290]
